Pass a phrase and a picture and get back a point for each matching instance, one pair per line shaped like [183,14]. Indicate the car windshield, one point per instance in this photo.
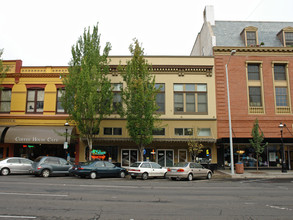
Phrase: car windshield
[182,164]
[135,164]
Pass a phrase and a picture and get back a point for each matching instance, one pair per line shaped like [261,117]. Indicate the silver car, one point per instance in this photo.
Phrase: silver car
[46,166]
[188,170]
[15,165]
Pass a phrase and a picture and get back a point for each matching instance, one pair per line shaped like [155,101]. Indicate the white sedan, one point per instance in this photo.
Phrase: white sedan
[146,169]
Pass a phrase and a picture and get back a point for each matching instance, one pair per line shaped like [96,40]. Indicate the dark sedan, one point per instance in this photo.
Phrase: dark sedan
[94,169]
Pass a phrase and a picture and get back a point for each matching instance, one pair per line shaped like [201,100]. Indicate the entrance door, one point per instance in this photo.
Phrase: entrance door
[166,158]
[182,155]
[129,157]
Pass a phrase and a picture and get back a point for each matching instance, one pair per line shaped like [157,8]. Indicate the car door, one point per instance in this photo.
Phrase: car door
[53,164]
[100,168]
[26,165]
[14,165]
[110,169]
[200,171]
[146,167]
[64,165]
[157,170]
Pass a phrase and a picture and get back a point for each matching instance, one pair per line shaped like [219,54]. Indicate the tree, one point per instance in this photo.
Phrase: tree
[3,69]
[88,95]
[194,148]
[139,98]
[256,141]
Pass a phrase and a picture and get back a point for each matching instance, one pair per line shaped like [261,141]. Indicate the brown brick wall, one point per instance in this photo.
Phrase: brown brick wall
[242,122]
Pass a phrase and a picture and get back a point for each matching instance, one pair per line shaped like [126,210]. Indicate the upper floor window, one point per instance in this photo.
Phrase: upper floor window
[281,97]
[35,100]
[184,131]
[249,36]
[190,98]
[112,131]
[279,72]
[203,132]
[159,131]
[60,93]
[5,100]
[289,38]
[253,71]
[160,98]
[117,99]
[286,36]
[255,96]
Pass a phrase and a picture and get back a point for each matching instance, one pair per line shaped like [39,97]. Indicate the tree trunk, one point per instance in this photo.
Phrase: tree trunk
[90,144]
[141,148]
[257,162]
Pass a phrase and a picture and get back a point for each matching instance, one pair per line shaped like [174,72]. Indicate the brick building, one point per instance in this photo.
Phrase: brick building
[260,84]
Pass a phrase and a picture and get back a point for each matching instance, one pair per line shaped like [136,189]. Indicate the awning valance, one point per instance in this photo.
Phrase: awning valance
[38,134]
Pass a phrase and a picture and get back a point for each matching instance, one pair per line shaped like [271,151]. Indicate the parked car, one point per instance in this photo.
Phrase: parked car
[188,170]
[98,168]
[13,165]
[47,166]
[146,170]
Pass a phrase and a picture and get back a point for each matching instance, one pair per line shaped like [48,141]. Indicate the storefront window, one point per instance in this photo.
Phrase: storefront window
[271,156]
[106,153]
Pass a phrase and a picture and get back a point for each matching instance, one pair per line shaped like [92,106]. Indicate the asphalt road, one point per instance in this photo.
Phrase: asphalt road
[30,197]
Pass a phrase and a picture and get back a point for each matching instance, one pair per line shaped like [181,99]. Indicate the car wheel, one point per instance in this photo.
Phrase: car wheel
[190,177]
[165,175]
[209,175]
[45,173]
[173,178]
[5,171]
[144,176]
[122,174]
[133,177]
[93,175]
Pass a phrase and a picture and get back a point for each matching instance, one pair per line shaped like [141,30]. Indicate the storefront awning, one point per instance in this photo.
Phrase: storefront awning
[38,135]
[1,136]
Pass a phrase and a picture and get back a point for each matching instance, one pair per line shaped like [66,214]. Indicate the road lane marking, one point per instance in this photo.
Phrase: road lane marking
[16,217]
[32,194]
[278,207]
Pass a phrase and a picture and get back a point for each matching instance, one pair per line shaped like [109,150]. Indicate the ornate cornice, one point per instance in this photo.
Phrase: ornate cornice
[255,49]
[56,72]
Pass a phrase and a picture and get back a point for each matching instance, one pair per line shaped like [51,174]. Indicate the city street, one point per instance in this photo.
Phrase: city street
[30,197]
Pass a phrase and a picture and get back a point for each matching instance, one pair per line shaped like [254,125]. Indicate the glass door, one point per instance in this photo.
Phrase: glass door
[182,155]
[166,158]
[129,157]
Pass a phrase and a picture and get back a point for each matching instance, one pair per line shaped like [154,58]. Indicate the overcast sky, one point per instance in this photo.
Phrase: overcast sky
[42,32]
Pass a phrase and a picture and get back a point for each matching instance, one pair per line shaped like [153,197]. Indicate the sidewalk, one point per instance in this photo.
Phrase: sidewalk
[263,174]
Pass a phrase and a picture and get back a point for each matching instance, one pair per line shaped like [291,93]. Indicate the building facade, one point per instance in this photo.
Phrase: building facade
[32,118]
[260,83]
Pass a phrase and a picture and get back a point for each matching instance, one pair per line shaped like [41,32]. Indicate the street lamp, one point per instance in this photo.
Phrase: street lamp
[66,133]
[284,169]
[229,114]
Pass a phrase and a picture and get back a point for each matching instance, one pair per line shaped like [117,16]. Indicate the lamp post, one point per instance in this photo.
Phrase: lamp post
[284,169]
[66,133]
[229,115]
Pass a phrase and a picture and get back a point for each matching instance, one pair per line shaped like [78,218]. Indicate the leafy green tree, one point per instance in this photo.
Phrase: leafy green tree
[256,141]
[88,94]
[194,148]
[3,69]
[139,98]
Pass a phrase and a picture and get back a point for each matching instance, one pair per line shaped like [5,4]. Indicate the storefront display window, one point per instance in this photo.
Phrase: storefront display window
[271,157]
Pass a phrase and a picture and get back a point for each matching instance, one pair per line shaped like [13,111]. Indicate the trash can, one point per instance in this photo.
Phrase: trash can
[239,168]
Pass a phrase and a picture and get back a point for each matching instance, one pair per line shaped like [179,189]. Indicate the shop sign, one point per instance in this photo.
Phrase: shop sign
[36,140]
[98,152]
